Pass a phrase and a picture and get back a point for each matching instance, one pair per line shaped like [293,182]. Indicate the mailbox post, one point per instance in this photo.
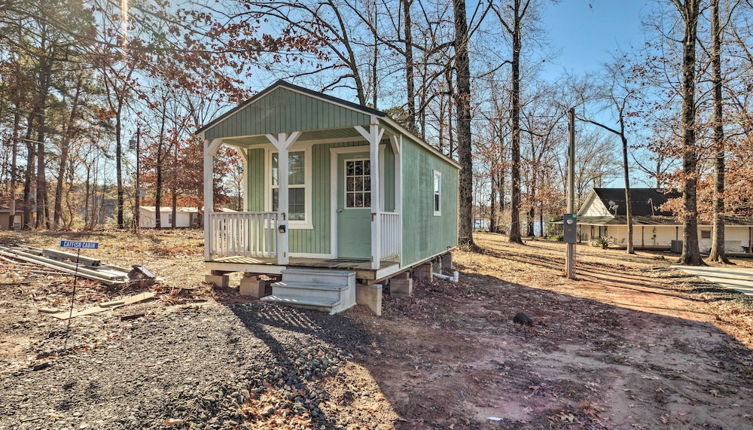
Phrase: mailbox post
[570,234]
[570,225]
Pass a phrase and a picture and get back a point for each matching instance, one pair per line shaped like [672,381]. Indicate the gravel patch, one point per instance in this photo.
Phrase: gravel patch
[197,367]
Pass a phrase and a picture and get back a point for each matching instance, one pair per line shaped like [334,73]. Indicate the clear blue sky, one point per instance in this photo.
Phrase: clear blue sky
[585,33]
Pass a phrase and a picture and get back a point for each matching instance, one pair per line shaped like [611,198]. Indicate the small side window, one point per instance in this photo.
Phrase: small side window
[705,234]
[437,193]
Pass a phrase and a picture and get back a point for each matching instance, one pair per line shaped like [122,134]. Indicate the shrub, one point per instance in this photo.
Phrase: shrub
[556,236]
[600,242]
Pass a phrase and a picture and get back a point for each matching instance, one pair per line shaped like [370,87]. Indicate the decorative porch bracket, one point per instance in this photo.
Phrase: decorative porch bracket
[374,136]
[283,142]
[210,149]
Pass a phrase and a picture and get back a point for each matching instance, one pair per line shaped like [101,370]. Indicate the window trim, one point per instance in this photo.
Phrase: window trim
[345,184]
[434,192]
[307,223]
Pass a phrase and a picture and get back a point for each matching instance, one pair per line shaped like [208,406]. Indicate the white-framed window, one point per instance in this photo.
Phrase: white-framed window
[357,183]
[437,197]
[299,183]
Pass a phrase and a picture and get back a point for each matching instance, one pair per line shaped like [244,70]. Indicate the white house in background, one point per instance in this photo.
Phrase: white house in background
[603,215]
[185,217]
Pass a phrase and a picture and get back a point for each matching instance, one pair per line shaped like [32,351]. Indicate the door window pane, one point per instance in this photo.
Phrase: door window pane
[357,184]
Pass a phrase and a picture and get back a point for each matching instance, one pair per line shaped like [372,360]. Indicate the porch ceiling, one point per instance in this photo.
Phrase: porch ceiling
[337,133]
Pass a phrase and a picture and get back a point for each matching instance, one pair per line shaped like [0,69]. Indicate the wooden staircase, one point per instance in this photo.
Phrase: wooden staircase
[329,291]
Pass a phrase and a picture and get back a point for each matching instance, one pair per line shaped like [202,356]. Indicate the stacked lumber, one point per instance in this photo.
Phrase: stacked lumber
[88,268]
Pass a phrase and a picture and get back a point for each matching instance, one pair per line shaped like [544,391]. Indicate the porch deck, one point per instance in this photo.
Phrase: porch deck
[362,267]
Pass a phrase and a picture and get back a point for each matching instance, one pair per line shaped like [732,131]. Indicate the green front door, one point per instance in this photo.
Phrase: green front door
[354,205]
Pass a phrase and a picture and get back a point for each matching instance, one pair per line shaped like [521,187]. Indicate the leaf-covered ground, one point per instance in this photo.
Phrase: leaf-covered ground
[631,344]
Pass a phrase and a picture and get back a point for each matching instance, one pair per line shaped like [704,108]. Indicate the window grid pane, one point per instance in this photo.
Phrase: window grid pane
[357,184]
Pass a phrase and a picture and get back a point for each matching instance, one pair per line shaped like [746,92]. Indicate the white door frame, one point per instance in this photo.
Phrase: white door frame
[334,157]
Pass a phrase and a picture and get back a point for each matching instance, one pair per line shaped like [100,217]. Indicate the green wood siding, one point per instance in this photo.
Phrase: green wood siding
[424,234]
[284,110]
[316,240]
[255,173]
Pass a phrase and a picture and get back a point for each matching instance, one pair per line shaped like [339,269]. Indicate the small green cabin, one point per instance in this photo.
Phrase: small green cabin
[329,184]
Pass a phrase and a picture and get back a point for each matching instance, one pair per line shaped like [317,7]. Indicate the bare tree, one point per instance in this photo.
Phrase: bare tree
[619,94]
[689,12]
[514,26]
[463,106]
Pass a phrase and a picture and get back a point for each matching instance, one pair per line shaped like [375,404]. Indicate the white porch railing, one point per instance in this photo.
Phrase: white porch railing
[390,235]
[252,234]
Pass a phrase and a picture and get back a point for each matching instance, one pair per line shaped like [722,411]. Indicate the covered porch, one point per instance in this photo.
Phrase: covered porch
[322,187]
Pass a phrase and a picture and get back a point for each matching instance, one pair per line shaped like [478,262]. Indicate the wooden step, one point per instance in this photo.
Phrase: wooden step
[308,289]
[317,303]
[333,277]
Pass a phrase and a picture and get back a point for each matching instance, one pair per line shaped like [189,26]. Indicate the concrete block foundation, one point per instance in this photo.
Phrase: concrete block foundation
[252,286]
[424,272]
[371,296]
[401,287]
[217,280]
[446,263]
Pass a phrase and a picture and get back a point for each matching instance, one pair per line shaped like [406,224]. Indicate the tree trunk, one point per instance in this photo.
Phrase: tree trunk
[41,190]
[515,119]
[86,196]
[463,100]
[29,178]
[158,185]
[13,164]
[119,163]
[375,60]
[541,219]
[158,197]
[174,200]
[691,254]
[717,241]
[628,202]
[492,203]
[64,150]
[409,80]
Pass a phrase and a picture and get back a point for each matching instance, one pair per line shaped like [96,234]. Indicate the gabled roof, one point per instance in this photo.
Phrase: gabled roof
[358,115]
[644,201]
[280,83]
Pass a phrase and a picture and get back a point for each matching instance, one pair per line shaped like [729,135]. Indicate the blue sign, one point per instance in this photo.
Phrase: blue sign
[78,244]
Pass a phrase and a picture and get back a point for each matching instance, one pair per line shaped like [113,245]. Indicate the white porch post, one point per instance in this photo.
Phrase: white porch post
[374,136]
[210,148]
[244,159]
[283,142]
[397,147]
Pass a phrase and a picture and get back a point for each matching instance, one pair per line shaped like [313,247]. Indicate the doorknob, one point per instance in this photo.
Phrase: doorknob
[339,211]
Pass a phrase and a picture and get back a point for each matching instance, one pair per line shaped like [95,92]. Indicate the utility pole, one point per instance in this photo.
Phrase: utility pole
[570,257]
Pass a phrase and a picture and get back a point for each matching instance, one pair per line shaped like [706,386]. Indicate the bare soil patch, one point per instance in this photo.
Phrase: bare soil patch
[631,344]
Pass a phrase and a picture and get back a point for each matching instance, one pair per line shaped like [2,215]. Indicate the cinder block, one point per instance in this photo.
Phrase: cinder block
[371,296]
[221,281]
[446,263]
[402,287]
[423,273]
[436,265]
[252,286]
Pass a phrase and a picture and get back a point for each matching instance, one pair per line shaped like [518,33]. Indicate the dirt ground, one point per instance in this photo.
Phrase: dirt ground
[630,344]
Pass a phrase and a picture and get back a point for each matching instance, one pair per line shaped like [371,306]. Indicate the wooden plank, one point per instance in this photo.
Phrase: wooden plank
[99,308]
